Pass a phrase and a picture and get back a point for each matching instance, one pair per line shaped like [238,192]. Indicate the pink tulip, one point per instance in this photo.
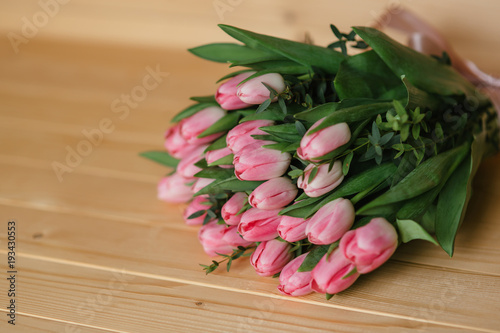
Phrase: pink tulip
[270,257]
[328,275]
[186,167]
[219,238]
[323,182]
[273,194]
[198,203]
[174,189]
[371,245]
[192,127]
[255,162]
[232,207]
[292,229]
[175,144]
[259,225]
[226,93]
[330,222]
[293,283]
[241,135]
[201,183]
[215,155]
[255,92]
[313,146]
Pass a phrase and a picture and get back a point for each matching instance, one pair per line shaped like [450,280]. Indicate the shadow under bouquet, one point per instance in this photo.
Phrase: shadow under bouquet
[318,164]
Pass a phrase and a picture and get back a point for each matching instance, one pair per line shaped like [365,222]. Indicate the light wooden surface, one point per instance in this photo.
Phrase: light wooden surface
[98,253]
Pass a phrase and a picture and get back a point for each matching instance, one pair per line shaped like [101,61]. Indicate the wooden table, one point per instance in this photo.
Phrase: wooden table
[95,250]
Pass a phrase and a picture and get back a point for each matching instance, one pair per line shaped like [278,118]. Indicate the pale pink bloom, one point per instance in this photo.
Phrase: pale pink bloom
[232,207]
[192,127]
[215,155]
[174,188]
[255,92]
[371,245]
[201,183]
[241,135]
[187,167]
[273,194]
[313,146]
[293,283]
[270,257]
[330,222]
[292,229]
[258,225]
[219,238]
[329,275]
[194,206]
[323,182]
[226,93]
[255,162]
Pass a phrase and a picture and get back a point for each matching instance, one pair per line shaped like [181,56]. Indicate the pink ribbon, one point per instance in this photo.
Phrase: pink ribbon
[426,39]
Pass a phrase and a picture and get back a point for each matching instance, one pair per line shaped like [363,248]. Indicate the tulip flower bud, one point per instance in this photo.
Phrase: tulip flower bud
[313,146]
[219,238]
[241,135]
[293,283]
[270,257]
[259,225]
[173,188]
[175,144]
[215,155]
[194,206]
[255,92]
[369,246]
[255,162]
[292,229]
[330,222]
[200,183]
[273,194]
[231,208]
[328,275]
[323,182]
[226,93]
[192,127]
[187,167]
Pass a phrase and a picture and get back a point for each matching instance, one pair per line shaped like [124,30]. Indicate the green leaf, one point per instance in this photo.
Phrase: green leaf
[419,98]
[424,177]
[352,114]
[365,75]
[229,184]
[347,163]
[196,214]
[222,125]
[161,157]
[226,160]
[204,99]
[422,71]
[263,106]
[287,132]
[305,54]
[215,173]
[451,206]
[217,144]
[313,258]
[230,52]
[409,230]
[191,110]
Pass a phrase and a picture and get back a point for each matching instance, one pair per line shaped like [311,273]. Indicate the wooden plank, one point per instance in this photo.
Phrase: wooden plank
[420,292]
[32,323]
[121,302]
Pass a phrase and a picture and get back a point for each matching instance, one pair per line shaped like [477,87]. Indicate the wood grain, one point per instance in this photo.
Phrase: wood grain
[102,222]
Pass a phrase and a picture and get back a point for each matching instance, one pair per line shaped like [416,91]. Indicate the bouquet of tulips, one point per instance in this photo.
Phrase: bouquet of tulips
[318,164]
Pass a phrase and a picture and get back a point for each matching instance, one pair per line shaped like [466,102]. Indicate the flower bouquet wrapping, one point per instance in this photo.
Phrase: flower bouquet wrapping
[318,164]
